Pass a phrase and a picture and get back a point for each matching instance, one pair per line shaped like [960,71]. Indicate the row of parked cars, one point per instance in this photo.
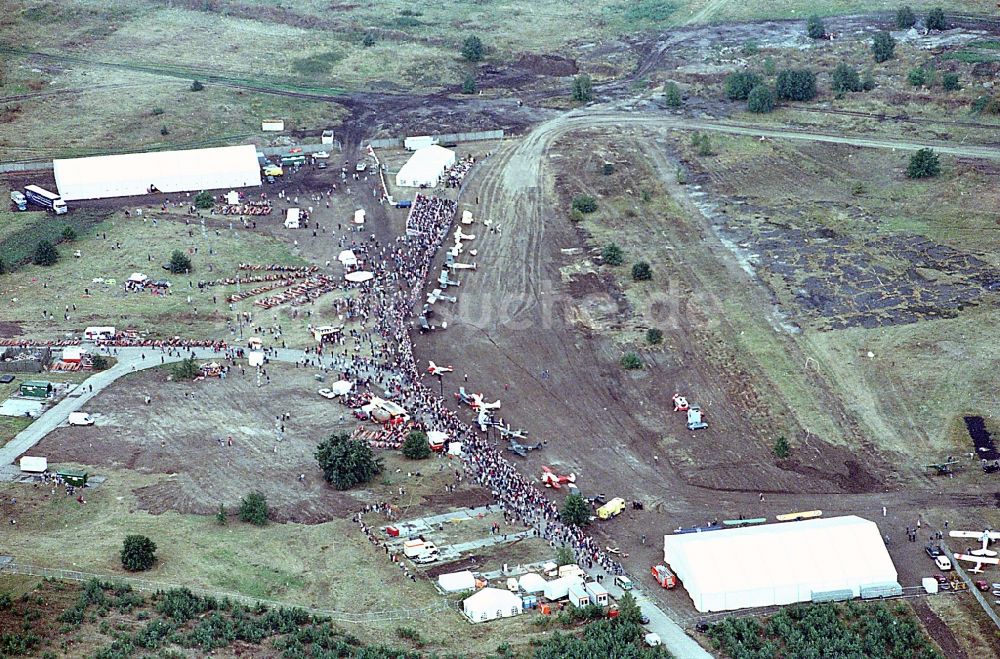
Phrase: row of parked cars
[943,563]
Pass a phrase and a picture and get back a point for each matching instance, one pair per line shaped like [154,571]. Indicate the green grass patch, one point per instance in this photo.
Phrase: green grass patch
[10,426]
[970,57]
[17,247]
[992,44]
[319,64]
[643,12]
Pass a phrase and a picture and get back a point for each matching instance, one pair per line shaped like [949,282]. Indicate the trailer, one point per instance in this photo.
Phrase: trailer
[46,199]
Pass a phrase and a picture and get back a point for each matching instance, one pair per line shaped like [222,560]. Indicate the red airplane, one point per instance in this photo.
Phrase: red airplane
[551,479]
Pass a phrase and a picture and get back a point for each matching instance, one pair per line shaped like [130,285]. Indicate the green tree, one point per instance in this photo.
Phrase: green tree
[347,463]
[781,448]
[472,49]
[672,95]
[100,363]
[469,84]
[196,86]
[631,361]
[138,553]
[220,515]
[761,100]
[935,19]
[69,233]
[164,130]
[416,446]
[629,612]
[584,203]
[612,254]
[845,79]
[253,509]
[796,85]
[564,556]
[883,47]
[739,84]
[815,28]
[641,271]
[204,200]
[923,164]
[702,144]
[654,336]
[905,18]
[180,263]
[3,267]
[45,254]
[583,88]
[950,82]
[868,80]
[369,40]
[575,511]
[917,77]
[186,369]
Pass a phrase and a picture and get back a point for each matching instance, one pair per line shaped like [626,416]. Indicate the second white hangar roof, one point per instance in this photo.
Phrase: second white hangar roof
[779,563]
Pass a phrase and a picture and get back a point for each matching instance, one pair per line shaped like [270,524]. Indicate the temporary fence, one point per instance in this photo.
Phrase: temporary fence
[14,567]
[477,136]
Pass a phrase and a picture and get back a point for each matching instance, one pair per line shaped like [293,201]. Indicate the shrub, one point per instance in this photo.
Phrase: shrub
[100,363]
[416,446]
[845,79]
[186,369]
[69,233]
[883,47]
[796,85]
[612,254]
[761,100]
[472,49]
[672,95]
[575,511]
[749,48]
[196,86]
[631,361]
[253,509]
[740,83]
[164,130]
[815,28]
[369,40]
[180,263]
[220,515]
[868,81]
[917,77]
[949,81]
[607,169]
[923,164]
[204,199]
[781,448]
[6,601]
[641,271]
[584,204]
[654,336]
[45,254]
[564,556]
[583,88]
[905,18]
[935,19]
[347,463]
[702,144]
[138,553]
[3,267]
[157,112]
[769,66]
[469,84]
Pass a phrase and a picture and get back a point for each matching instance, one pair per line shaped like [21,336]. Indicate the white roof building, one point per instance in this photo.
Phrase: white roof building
[125,175]
[773,564]
[425,167]
[490,604]
[453,582]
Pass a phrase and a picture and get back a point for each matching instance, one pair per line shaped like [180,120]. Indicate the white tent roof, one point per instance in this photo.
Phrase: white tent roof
[452,582]
[425,166]
[348,258]
[531,583]
[779,563]
[491,603]
[123,175]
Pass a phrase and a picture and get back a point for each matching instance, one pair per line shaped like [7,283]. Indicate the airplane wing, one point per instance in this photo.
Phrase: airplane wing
[993,535]
[967,534]
[980,561]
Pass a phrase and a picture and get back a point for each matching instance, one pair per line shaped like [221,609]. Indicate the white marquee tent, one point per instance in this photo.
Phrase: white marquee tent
[425,167]
[531,583]
[453,582]
[812,560]
[125,175]
[490,604]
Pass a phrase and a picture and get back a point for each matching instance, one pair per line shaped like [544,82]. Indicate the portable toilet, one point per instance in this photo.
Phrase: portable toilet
[577,595]
[597,594]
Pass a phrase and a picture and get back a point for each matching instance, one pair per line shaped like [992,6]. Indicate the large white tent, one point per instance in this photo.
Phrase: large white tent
[490,604]
[425,167]
[813,560]
[125,175]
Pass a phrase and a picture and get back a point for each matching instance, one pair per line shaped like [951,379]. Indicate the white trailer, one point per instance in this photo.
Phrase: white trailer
[33,464]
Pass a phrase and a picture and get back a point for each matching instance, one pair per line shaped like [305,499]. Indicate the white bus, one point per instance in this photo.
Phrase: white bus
[43,197]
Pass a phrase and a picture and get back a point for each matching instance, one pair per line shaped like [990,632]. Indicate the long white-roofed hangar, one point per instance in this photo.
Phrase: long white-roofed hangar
[130,174]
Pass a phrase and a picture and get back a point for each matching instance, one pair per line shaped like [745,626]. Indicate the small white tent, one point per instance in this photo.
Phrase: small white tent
[490,604]
[531,583]
[454,582]
[347,258]
[425,167]
[292,218]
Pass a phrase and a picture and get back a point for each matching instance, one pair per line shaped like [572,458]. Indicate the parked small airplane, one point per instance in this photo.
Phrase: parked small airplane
[462,236]
[434,369]
[461,266]
[523,449]
[551,479]
[943,468]
[455,251]
[475,401]
[978,560]
[984,537]
[506,432]
[445,281]
[484,420]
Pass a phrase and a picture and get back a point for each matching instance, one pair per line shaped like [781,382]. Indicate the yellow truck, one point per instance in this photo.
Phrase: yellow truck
[611,508]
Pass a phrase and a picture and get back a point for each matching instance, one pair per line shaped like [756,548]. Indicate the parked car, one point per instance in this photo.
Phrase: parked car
[326,393]
[80,419]
[943,583]
[933,550]
[644,619]
[943,562]
[321,165]
[982,585]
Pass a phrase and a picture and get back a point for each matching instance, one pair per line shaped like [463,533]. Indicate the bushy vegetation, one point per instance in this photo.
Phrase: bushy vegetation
[950,82]
[416,446]
[584,204]
[196,86]
[619,637]
[138,553]
[253,509]
[905,18]
[923,164]
[883,47]
[68,233]
[781,448]
[935,19]
[469,84]
[795,85]
[761,100]
[472,48]
[654,336]
[204,200]
[347,463]
[575,511]
[845,78]
[45,254]
[612,254]
[815,28]
[672,95]
[642,271]
[631,361]
[825,630]
[180,263]
[583,88]
[186,369]
[739,84]
[917,77]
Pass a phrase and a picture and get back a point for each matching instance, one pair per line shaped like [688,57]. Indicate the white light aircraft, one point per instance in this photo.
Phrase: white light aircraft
[462,266]
[980,561]
[984,537]
[434,369]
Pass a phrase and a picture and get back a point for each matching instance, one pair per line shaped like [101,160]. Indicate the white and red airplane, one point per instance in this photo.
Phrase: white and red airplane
[551,479]
[477,403]
[434,369]
[980,561]
[984,537]
[680,403]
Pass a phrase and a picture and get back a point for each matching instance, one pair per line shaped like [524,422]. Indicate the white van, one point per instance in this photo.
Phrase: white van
[652,640]
[942,562]
[80,419]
